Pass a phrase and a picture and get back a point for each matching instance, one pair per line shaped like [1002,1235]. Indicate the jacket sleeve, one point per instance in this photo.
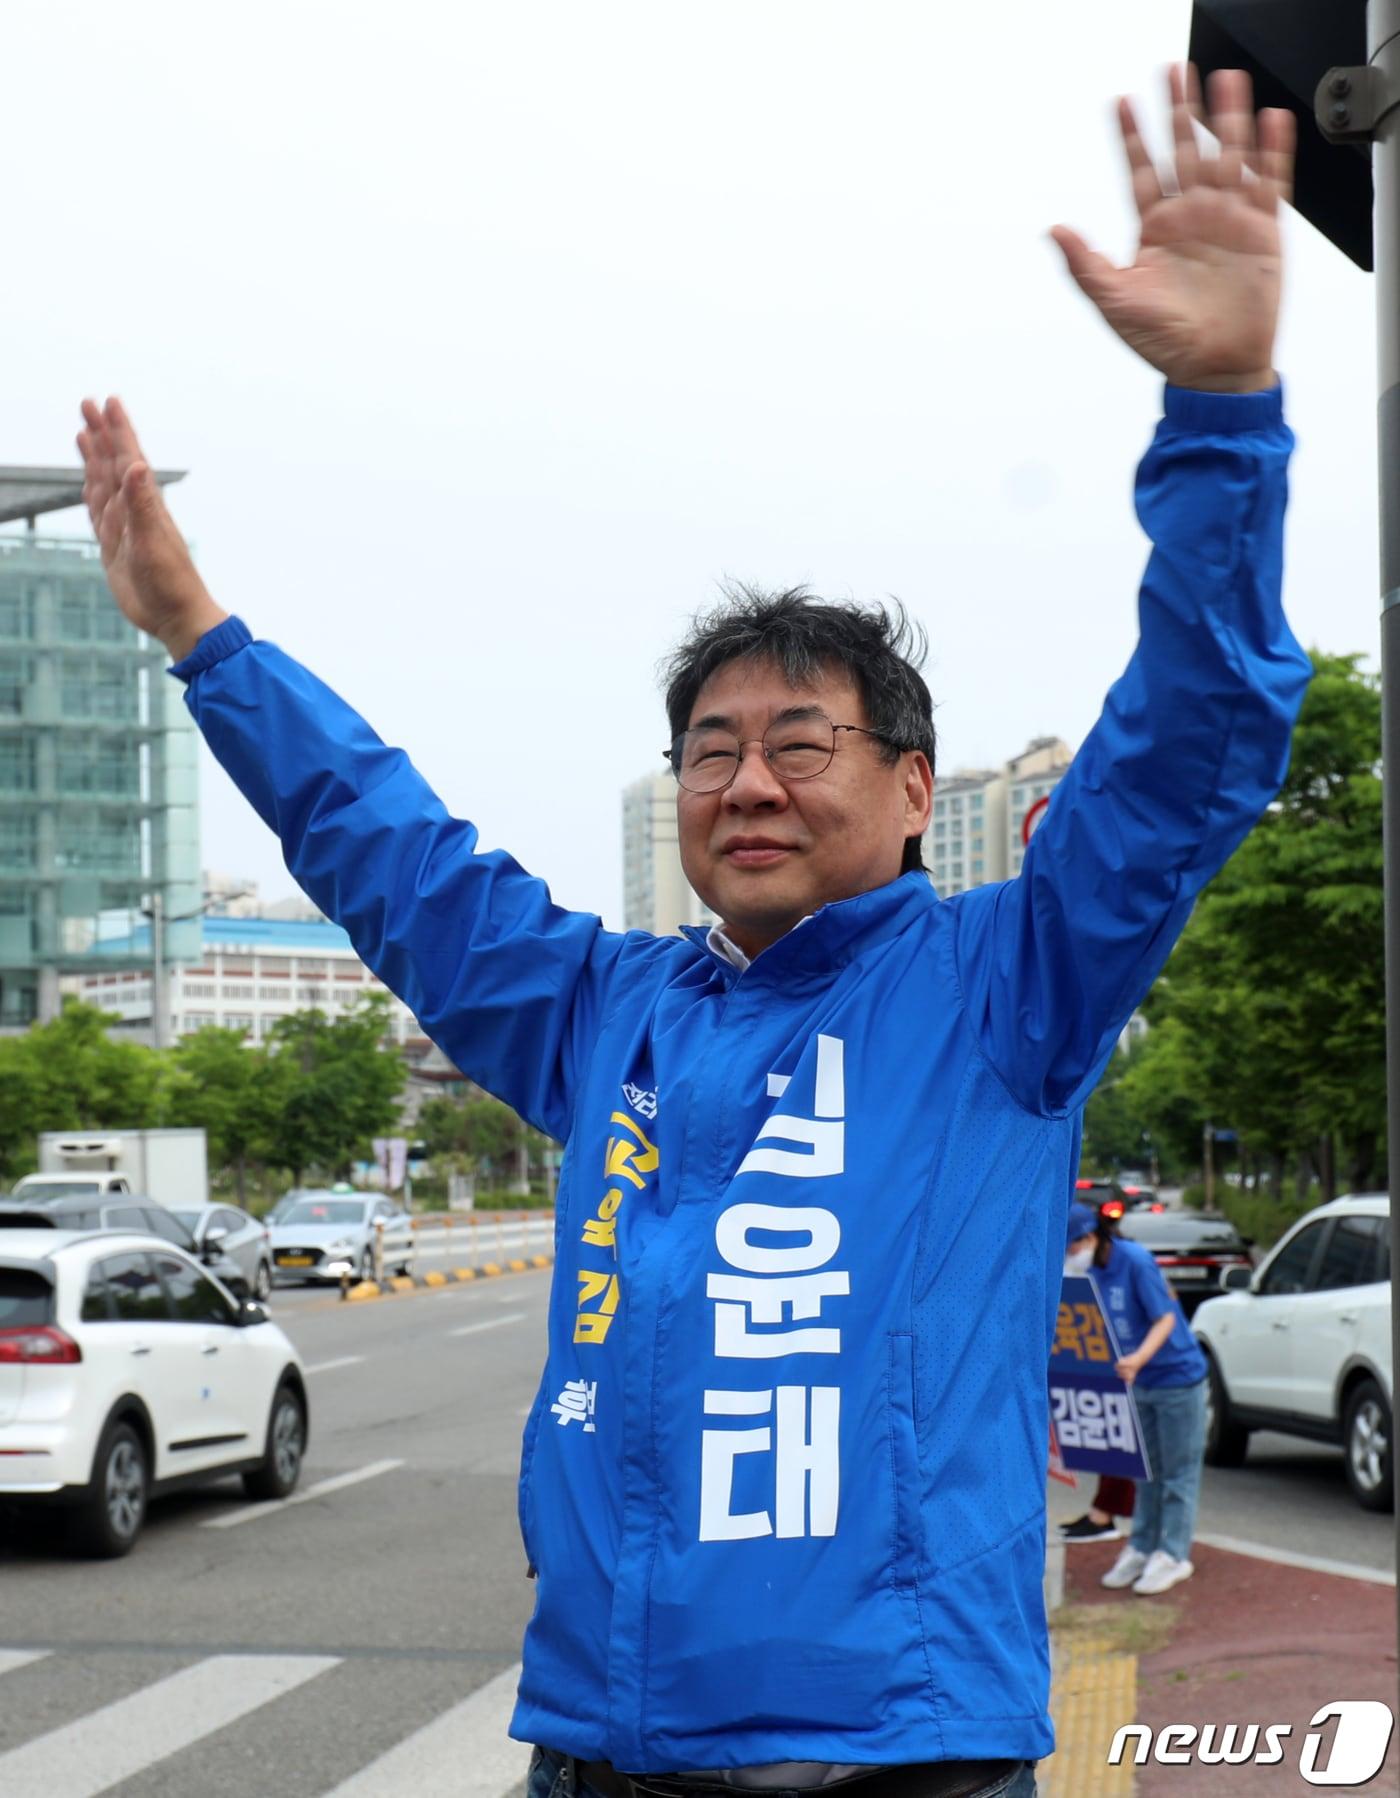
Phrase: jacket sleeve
[1192,744]
[510,986]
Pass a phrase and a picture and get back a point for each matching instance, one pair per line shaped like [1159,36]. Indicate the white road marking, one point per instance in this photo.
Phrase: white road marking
[490,1323]
[246,1513]
[1259,1551]
[329,1366]
[10,1658]
[464,1753]
[107,1746]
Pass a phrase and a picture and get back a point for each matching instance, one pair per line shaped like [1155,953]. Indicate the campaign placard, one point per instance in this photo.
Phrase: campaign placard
[1091,1410]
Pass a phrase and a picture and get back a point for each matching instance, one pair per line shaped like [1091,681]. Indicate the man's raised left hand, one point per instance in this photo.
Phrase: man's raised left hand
[1200,300]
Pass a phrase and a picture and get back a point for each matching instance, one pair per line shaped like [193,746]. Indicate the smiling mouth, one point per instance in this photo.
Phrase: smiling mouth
[757,855]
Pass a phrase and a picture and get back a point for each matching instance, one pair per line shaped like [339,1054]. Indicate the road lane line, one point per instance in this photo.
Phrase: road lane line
[246,1513]
[10,1658]
[464,1753]
[107,1746]
[1260,1551]
[329,1366]
[490,1323]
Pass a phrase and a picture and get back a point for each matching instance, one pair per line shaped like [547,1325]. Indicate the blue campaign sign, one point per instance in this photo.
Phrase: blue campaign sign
[1095,1419]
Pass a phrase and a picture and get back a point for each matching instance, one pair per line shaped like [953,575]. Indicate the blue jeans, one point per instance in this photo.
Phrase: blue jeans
[1174,1435]
[553,1776]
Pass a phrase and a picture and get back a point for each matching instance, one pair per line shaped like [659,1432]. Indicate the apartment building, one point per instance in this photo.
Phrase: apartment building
[655,893]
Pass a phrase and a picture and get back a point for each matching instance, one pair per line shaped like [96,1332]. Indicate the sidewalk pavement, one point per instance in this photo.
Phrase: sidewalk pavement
[1246,1640]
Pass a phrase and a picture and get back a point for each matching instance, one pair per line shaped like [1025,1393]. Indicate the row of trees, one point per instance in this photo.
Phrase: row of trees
[1269,1019]
[310,1098]
[480,1135]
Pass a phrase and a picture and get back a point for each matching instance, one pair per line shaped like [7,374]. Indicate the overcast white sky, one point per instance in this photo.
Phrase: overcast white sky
[493,336]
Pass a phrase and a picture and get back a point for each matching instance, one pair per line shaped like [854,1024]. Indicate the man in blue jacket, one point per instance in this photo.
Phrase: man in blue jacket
[783,1482]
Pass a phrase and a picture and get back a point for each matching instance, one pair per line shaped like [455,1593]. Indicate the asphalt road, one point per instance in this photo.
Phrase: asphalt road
[361,1641]
[286,1649]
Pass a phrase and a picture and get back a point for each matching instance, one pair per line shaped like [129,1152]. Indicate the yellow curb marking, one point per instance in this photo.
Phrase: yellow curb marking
[402,1283]
[464,1273]
[435,1278]
[490,1268]
[366,1289]
[517,1267]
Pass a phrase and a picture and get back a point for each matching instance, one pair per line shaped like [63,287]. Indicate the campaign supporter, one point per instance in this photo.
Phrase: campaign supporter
[1163,1363]
[783,1483]
[1114,1496]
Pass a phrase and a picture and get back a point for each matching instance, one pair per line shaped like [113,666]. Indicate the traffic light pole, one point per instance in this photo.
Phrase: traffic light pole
[1355,105]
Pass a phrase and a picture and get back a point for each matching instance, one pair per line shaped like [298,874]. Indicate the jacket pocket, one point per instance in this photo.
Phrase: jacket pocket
[904,1463]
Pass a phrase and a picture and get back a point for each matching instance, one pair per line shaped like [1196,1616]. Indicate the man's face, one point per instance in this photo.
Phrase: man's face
[762,854]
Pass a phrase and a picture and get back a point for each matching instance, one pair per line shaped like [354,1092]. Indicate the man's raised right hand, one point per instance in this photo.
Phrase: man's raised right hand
[149,567]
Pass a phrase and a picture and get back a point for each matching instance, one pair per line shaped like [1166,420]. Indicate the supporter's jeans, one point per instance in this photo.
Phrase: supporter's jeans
[553,1776]
[1174,1435]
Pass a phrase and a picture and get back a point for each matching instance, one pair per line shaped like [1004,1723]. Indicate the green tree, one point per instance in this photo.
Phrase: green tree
[70,1075]
[328,1086]
[1270,1016]
[477,1131]
[218,1081]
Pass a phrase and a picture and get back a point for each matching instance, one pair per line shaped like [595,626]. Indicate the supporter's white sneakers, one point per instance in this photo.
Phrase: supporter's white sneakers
[1125,1569]
[1160,1573]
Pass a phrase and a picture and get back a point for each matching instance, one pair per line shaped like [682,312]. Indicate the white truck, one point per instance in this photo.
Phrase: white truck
[169,1167]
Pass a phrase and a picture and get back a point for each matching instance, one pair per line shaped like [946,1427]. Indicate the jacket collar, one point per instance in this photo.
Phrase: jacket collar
[834,934]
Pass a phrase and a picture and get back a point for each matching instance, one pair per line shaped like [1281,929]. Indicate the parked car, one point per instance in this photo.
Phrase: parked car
[1194,1249]
[122,1214]
[326,1235]
[126,1372]
[1303,1345]
[40,1188]
[242,1238]
[1106,1196]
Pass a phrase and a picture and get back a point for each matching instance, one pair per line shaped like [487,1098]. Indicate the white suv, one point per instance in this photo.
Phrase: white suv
[126,1371]
[1303,1345]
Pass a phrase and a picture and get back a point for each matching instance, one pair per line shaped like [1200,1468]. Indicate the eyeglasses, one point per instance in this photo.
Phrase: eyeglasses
[706,760]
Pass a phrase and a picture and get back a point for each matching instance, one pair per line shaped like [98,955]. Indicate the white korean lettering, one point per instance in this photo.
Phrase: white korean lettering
[825,1133]
[806,1492]
[808,1462]
[718,1452]
[575,1404]
[820,1227]
[747,1300]
[1118,1416]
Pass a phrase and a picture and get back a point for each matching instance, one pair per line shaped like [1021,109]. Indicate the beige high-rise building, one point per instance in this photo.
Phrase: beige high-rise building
[974,835]
[1031,776]
[965,843]
[655,893]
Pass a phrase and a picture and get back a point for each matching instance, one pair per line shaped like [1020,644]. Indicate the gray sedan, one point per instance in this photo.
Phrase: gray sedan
[244,1239]
[327,1235]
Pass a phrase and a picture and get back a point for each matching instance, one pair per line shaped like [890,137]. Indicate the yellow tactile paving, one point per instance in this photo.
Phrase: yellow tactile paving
[1093,1692]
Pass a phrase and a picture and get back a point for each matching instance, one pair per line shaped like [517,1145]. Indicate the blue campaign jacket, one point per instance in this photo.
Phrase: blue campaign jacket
[784,1478]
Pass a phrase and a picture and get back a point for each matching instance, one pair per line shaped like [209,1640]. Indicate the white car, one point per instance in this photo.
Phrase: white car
[1303,1345]
[340,1232]
[126,1371]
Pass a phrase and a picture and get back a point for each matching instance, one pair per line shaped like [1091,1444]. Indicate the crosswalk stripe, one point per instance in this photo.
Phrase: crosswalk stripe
[464,1753]
[491,1323]
[246,1513]
[100,1750]
[10,1658]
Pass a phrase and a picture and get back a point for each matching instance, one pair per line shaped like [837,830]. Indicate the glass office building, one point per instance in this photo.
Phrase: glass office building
[99,806]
